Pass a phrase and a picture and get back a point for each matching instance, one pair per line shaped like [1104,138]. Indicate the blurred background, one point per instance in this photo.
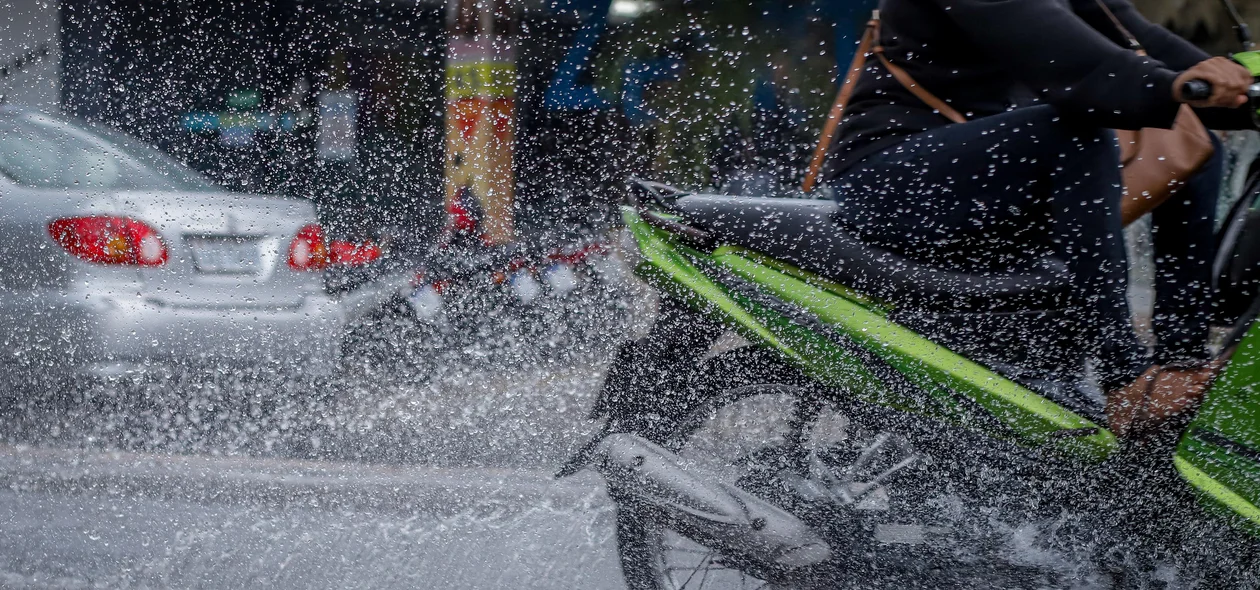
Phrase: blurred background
[604,90]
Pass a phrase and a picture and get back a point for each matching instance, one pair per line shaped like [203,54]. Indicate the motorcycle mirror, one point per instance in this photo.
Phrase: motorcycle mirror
[1240,26]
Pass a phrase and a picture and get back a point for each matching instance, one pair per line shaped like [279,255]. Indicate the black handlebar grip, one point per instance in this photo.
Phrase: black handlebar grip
[1196,89]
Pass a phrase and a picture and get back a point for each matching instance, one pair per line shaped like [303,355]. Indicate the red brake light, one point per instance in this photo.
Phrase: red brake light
[109,240]
[352,254]
[308,250]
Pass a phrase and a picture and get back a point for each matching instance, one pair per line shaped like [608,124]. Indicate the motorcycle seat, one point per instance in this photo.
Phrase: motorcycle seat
[803,232]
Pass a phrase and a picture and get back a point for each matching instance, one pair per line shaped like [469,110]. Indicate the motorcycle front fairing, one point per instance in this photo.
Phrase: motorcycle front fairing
[1219,454]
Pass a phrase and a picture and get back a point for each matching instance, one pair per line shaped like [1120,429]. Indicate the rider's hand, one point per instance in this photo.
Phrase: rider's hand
[1228,79]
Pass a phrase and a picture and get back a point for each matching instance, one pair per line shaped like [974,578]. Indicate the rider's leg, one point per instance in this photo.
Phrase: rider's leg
[996,179]
[1185,247]
[955,187]
[1089,235]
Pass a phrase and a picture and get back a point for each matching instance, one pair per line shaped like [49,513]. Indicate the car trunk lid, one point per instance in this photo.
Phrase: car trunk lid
[225,250]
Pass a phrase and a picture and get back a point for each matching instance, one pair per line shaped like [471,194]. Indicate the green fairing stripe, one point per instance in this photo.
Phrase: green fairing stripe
[809,279]
[1219,493]
[1034,419]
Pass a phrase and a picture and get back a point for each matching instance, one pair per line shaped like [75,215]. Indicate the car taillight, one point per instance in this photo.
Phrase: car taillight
[109,240]
[352,254]
[308,250]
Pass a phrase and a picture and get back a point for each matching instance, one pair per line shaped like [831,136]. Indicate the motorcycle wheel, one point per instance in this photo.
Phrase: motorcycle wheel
[753,406]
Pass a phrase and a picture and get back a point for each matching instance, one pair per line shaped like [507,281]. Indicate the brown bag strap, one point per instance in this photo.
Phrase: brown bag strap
[869,44]
[1134,44]
[949,112]
[842,100]
[918,91]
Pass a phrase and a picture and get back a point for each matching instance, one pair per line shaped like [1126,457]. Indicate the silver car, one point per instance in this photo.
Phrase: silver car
[113,258]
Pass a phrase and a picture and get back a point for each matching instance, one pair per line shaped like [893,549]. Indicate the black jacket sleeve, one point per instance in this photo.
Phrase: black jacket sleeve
[1176,53]
[1173,51]
[1045,45]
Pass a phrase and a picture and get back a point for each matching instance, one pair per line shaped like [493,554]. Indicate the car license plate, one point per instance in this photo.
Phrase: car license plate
[226,254]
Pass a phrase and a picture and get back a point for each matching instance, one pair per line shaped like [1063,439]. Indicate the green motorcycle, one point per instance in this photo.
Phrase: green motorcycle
[813,411]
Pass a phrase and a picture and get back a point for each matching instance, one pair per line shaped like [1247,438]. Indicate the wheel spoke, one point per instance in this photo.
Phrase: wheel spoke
[705,576]
[712,567]
[685,549]
[693,572]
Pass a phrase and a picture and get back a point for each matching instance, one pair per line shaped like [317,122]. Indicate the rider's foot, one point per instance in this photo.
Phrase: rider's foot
[1124,405]
[1159,395]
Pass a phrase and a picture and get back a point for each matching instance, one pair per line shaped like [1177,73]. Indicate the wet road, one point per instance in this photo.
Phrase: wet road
[450,487]
[91,520]
[383,481]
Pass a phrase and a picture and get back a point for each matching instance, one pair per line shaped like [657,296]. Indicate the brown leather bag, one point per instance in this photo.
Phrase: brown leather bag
[1156,162]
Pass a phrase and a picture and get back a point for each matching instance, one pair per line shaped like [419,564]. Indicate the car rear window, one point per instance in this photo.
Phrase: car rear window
[44,152]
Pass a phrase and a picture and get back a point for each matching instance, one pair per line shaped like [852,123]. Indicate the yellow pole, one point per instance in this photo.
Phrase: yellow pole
[480,113]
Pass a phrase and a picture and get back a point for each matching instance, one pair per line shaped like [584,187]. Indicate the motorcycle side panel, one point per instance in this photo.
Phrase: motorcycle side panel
[1220,452]
[960,391]
[669,267]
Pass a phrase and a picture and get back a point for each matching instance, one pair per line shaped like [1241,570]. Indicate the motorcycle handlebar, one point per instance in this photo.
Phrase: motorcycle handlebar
[1196,89]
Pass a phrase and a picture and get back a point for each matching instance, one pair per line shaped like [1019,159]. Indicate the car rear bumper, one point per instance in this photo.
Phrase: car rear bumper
[110,333]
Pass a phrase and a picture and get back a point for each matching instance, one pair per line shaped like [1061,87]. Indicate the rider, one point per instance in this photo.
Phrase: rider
[1041,85]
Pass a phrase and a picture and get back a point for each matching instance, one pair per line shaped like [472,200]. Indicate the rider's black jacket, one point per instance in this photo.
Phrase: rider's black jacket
[987,56]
